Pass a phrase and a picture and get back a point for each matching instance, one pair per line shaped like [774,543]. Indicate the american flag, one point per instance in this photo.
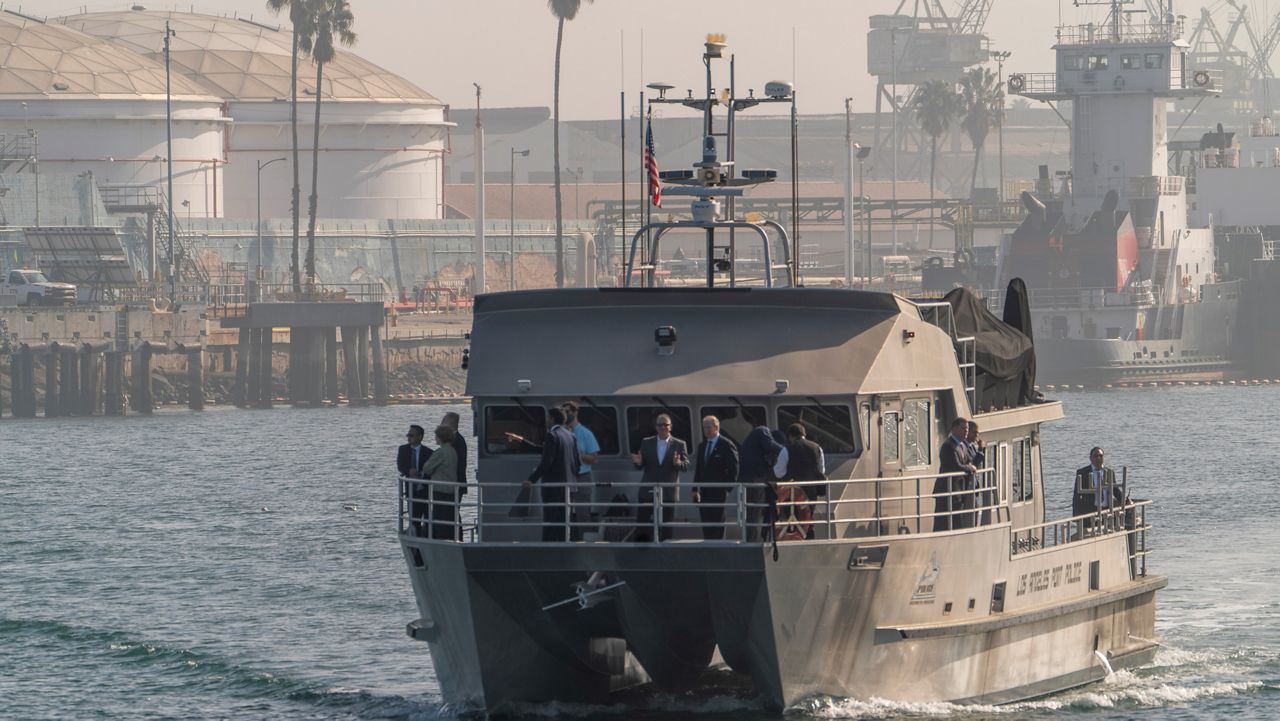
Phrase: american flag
[651,164]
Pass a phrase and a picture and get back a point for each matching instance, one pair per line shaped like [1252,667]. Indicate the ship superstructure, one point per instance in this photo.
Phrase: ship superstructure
[1122,287]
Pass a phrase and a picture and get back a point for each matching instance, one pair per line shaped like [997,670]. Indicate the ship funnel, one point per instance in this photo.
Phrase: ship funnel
[1110,202]
[1034,206]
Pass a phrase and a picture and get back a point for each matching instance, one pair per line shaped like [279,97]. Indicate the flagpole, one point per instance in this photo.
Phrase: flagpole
[645,209]
[622,214]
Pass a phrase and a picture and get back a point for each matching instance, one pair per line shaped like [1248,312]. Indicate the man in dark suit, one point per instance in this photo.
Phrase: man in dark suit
[558,468]
[1095,489]
[716,463]
[452,419]
[953,457]
[759,452]
[661,457]
[410,458]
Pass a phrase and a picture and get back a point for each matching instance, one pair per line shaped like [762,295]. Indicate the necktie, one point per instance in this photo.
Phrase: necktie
[416,465]
[710,445]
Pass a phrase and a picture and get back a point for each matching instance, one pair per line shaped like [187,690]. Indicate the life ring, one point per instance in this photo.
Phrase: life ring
[1119,82]
[1017,83]
[1200,78]
[794,518]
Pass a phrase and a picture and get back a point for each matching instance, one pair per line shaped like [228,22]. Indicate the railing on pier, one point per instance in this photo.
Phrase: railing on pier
[231,300]
[789,510]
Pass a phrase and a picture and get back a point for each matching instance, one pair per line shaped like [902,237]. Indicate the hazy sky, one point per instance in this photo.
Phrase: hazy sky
[508,46]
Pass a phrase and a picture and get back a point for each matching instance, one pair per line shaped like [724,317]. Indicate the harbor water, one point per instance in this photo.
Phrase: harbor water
[244,565]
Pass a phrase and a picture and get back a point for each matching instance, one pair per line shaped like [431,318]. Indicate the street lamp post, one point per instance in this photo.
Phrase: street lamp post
[849,269]
[893,80]
[258,271]
[511,263]
[1000,57]
[862,153]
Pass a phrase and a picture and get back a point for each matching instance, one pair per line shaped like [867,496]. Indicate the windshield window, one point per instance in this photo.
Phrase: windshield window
[35,276]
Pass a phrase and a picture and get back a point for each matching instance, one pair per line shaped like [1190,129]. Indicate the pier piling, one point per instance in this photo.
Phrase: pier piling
[90,383]
[239,389]
[69,392]
[266,340]
[362,361]
[351,364]
[195,379]
[51,360]
[27,373]
[331,364]
[379,367]
[113,404]
[142,401]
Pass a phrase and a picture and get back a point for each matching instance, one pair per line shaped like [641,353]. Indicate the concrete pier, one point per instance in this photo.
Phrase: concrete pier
[351,362]
[379,367]
[90,379]
[265,343]
[331,365]
[23,374]
[362,358]
[69,392]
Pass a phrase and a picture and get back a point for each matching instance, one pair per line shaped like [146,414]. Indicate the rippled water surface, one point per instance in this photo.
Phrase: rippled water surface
[237,564]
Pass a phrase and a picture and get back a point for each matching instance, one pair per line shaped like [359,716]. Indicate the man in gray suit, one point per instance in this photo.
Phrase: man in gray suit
[662,457]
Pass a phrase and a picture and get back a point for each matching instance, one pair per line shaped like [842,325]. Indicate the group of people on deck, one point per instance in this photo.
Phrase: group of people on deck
[446,465]
[963,500]
[569,450]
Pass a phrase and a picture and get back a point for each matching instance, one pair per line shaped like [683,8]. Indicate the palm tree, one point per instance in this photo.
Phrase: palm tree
[982,102]
[936,106]
[331,18]
[563,10]
[300,19]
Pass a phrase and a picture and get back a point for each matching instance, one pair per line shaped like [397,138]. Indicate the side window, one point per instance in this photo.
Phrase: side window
[1128,62]
[735,423]
[528,422]
[1016,466]
[864,419]
[1098,62]
[1153,61]
[916,423]
[889,436]
[830,425]
[602,421]
[1028,487]
[1072,62]
[15,278]
[640,420]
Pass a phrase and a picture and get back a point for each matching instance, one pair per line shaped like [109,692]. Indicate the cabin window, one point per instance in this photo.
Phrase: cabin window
[602,421]
[1072,62]
[916,422]
[889,436]
[1129,62]
[640,420]
[527,421]
[1098,62]
[827,424]
[1153,61]
[1113,333]
[735,421]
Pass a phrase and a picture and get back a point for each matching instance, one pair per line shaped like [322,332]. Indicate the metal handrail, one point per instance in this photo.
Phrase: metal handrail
[977,501]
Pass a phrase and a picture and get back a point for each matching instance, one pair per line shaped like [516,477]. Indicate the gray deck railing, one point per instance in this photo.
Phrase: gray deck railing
[941,314]
[854,508]
[1129,519]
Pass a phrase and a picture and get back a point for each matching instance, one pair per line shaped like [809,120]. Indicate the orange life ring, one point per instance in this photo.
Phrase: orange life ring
[794,518]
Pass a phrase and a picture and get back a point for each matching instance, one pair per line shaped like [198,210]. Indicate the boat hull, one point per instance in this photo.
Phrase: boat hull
[907,619]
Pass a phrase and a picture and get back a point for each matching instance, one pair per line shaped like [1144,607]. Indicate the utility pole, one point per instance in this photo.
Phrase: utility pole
[479,220]
[168,132]
[893,81]
[848,193]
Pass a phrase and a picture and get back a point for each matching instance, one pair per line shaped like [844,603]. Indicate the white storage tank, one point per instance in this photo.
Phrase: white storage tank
[382,139]
[78,103]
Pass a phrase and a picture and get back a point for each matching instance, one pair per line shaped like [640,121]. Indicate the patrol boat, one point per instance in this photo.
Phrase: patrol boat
[1122,288]
[901,583]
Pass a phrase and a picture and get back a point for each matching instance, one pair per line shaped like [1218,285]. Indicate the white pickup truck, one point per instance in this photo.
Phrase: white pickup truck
[32,288]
